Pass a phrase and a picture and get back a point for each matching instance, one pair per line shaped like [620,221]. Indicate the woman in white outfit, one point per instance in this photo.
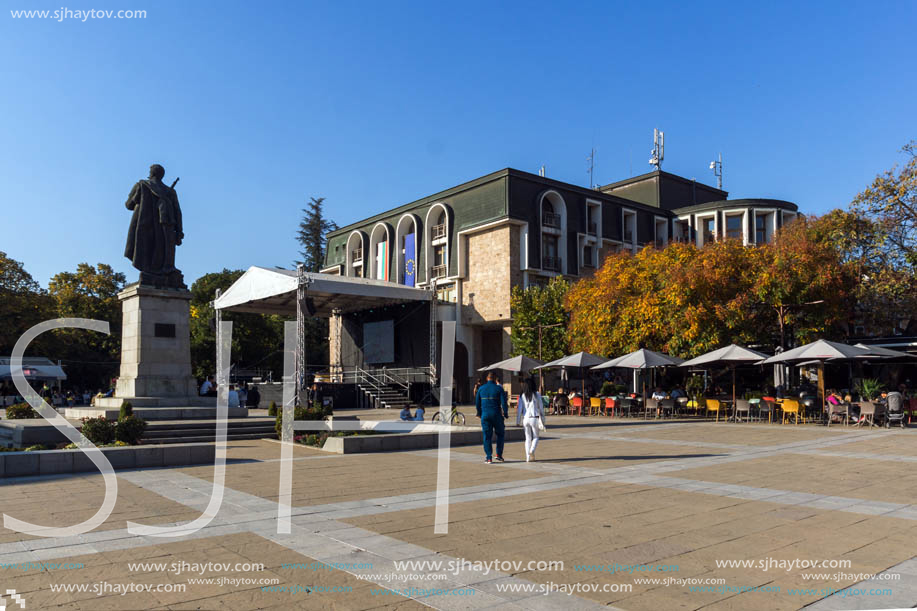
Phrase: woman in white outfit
[530,414]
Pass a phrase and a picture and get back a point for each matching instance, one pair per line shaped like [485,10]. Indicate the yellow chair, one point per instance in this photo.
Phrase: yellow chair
[791,407]
[713,405]
[595,406]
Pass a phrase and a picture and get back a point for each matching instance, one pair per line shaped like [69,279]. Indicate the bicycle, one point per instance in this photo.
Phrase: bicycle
[454,417]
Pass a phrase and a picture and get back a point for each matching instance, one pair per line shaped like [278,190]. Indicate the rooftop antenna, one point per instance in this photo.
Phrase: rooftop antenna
[717,167]
[541,171]
[658,152]
[591,170]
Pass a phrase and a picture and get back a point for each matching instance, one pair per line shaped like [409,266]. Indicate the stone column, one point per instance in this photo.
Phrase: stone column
[155,344]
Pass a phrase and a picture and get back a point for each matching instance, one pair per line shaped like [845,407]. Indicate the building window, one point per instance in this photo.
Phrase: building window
[592,226]
[551,258]
[439,229]
[549,218]
[734,227]
[630,227]
[760,229]
[682,231]
[439,261]
[709,229]
[446,293]
[588,254]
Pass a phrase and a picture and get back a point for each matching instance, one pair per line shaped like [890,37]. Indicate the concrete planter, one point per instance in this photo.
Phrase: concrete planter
[48,462]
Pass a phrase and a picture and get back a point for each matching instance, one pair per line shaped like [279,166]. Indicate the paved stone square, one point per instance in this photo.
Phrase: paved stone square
[643,515]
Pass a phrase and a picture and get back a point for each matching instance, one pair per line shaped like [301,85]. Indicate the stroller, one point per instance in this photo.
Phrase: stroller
[894,413]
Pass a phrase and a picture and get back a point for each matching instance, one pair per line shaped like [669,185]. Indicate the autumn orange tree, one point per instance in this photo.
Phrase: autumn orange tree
[686,301]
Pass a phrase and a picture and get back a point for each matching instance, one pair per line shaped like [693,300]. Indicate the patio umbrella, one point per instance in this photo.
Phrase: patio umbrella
[642,359]
[516,364]
[730,356]
[581,360]
[819,351]
[878,352]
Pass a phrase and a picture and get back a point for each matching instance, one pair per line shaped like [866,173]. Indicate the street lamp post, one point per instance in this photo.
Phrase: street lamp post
[540,328]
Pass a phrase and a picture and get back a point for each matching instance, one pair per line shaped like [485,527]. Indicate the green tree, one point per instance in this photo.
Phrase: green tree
[539,306]
[23,304]
[89,292]
[312,234]
[891,203]
[257,339]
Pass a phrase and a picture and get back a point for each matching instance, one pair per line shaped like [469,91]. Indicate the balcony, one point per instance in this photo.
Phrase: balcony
[439,232]
[356,255]
[438,271]
[551,264]
[593,229]
[628,235]
[549,219]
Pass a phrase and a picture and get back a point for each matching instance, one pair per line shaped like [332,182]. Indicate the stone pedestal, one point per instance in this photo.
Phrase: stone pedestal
[156,346]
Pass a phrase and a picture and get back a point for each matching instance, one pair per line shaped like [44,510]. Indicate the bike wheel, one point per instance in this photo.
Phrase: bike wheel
[459,419]
[437,417]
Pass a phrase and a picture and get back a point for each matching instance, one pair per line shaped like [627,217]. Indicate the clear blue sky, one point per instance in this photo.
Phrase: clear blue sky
[258,106]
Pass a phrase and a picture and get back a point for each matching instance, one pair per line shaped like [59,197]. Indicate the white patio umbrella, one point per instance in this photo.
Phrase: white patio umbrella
[642,359]
[878,352]
[516,364]
[731,356]
[820,351]
[581,360]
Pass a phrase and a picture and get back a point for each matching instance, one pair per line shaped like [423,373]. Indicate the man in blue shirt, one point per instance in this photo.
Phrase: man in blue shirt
[490,404]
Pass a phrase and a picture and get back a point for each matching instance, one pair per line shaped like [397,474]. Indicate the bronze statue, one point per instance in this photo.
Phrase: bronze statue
[155,231]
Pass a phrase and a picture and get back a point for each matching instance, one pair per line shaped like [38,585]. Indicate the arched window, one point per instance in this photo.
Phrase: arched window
[407,250]
[355,256]
[553,232]
[380,250]
[437,241]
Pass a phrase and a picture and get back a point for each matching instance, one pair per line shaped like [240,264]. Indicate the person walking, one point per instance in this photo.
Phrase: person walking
[490,404]
[531,415]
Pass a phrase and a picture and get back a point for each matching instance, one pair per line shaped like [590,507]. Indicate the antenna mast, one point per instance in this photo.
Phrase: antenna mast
[717,167]
[658,152]
[591,170]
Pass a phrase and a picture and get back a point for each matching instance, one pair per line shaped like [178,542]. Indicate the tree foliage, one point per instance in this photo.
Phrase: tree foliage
[23,303]
[534,306]
[89,292]
[312,233]
[686,301]
[890,202]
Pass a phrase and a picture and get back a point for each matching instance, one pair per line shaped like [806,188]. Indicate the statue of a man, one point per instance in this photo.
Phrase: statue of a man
[155,231]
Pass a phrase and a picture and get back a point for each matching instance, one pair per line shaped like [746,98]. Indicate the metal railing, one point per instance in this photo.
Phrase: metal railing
[551,263]
[593,229]
[439,271]
[549,219]
[439,231]
[628,235]
[356,255]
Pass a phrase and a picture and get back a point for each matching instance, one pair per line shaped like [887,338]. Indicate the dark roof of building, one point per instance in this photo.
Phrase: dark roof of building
[661,174]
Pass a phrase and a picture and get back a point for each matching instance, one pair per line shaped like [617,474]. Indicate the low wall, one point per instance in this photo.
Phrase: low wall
[399,442]
[49,462]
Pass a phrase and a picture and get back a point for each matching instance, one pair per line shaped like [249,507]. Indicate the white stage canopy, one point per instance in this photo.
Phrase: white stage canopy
[273,291]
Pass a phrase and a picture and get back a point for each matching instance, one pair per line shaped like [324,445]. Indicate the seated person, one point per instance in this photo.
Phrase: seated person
[207,388]
[833,398]
[658,394]
[678,393]
[419,414]
[233,396]
[406,413]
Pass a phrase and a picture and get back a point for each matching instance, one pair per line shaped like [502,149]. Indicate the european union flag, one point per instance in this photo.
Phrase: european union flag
[410,260]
